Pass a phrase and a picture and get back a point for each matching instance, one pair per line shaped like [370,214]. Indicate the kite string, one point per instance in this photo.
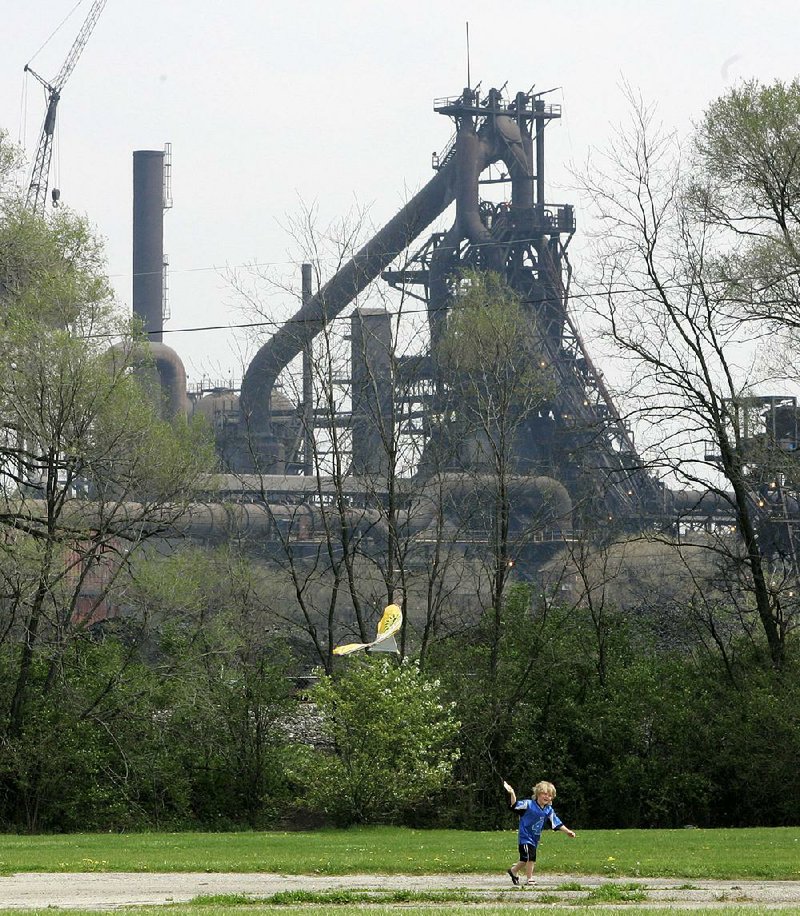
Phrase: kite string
[495,771]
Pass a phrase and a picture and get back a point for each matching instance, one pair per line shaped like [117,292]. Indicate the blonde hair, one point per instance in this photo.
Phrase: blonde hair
[542,787]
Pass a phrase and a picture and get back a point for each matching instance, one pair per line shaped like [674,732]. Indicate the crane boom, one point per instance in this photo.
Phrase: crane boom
[40,173]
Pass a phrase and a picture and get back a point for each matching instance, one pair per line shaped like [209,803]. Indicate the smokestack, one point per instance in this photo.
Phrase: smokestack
[371,370]
[151,196]
[148,240]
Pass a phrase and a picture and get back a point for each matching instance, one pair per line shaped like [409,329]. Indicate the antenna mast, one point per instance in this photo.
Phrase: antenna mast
[469,82]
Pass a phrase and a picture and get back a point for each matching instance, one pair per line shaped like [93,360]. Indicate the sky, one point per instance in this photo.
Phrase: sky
[271,106]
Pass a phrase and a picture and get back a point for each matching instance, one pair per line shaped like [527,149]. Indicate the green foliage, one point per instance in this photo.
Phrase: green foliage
[131,451]
[91,473]
[488,352]
[491,716]
[748,141]
[748,180]
[228,689]
[124,740]
[622,748]
[485,327]
[751,734]
[51,271]
[617,893]
[393,742]
[89,751]
[11,160]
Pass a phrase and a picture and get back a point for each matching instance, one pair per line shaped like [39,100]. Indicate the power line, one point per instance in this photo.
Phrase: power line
[279,323]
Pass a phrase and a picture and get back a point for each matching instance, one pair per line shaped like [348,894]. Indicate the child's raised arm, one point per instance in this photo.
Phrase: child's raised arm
[512,795]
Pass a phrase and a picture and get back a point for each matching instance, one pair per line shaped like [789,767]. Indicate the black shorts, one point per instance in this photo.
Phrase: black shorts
[527,852]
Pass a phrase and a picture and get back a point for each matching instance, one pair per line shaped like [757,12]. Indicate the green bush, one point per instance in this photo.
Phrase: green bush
[392,738]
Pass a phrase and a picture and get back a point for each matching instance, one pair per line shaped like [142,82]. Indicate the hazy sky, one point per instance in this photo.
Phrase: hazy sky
[267,103]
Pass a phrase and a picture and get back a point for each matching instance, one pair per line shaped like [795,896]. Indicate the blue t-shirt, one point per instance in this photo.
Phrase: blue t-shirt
[532,820]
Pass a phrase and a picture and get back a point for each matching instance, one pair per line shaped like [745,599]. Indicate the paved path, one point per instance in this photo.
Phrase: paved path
[107,890]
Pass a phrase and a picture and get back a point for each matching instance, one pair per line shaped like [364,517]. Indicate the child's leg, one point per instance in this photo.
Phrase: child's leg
[517,866]
[529,865]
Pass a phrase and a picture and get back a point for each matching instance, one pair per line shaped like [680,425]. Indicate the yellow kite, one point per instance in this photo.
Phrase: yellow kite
[388,626]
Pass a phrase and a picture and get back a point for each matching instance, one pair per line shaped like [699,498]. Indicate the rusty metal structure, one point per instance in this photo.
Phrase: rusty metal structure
[572,456]
[577,439]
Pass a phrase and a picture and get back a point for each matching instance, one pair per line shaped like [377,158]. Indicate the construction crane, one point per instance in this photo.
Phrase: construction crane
[40,174]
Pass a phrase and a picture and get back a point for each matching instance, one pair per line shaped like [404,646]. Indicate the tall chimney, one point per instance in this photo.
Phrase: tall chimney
[148,240]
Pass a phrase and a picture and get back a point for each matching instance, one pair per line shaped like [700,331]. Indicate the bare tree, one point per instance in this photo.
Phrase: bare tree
[379,532]
[681,329]
[494,380]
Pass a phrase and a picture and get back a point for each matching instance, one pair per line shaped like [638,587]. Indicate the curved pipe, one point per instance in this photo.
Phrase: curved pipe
[518,157]
[338,292]
[170,368]
[458,178]
[172,375]
[501,139]
[473,154]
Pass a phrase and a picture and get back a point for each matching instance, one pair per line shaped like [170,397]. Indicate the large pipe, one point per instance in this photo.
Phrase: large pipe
[499,138]
[308,382]
[545,499]
[201,521]
[169,369]
[538,107]
[472,157]
[519,157]
[337,293]
[172,376]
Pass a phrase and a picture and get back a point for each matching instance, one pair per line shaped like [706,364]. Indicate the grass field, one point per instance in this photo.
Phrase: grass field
[758,853]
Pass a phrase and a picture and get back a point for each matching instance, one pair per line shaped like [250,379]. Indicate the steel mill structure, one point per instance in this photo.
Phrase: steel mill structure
[571,455]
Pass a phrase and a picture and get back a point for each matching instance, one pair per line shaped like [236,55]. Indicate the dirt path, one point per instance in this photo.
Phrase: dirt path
[108,890]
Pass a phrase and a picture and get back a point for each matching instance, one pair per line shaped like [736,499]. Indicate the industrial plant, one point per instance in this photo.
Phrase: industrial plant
[571,456]
[395,442]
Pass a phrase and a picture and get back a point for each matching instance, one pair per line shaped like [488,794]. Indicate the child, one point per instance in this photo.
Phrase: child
[533,812]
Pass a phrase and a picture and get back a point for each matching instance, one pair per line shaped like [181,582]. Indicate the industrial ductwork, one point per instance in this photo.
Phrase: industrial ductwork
[502,138]
[172,378]
[300,330]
